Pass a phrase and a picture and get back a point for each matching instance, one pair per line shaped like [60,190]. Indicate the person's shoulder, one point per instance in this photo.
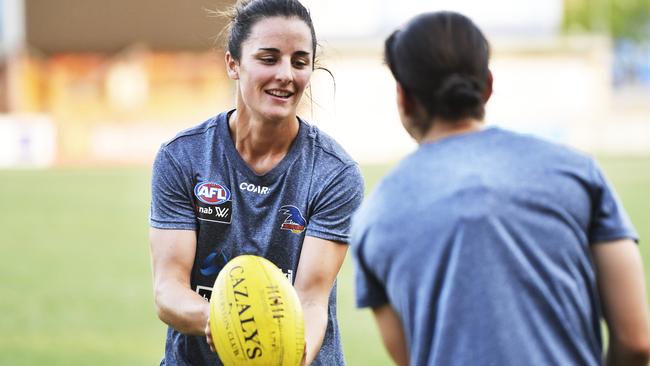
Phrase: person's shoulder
[195,134]
[539,146]
[326,144]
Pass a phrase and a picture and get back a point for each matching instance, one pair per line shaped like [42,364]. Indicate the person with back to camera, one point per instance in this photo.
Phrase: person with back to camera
[485,246]
[253,180]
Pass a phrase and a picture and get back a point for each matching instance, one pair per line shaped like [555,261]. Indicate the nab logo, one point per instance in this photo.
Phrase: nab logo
[211,193]
[214,203]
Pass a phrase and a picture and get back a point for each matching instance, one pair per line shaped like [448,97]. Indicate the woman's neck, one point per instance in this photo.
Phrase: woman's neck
[441,129]
[261,144]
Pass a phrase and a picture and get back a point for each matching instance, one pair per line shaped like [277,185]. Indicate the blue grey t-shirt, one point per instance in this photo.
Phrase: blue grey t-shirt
[201,183]
[481,243]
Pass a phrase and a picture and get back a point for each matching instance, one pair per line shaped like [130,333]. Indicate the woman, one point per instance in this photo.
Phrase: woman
[484,246]
[254,180]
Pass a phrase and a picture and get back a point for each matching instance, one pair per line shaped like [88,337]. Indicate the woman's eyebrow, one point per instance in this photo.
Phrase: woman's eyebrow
[302,53]
[269,49]
[275,50]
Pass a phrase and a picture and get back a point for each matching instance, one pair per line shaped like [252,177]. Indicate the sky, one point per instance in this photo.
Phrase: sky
[11,27]
[367,18]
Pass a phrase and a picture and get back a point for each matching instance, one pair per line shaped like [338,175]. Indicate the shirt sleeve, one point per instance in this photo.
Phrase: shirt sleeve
[171,195]
[369,291]
[609,219]
[339,199]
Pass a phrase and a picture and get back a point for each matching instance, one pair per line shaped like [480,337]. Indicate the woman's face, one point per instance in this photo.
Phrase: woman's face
[275,67]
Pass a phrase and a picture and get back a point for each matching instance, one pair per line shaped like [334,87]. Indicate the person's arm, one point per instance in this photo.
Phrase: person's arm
[392,333]
[172,254]
[320,261]
[623,295]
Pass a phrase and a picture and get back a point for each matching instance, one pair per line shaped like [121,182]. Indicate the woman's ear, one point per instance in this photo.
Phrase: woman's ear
[488,87]
[232,67]
[404,104]
[409,112]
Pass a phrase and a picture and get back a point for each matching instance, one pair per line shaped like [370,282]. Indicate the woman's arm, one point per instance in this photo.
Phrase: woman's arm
[392,333]
[320,261]
[172,254]
[622,289]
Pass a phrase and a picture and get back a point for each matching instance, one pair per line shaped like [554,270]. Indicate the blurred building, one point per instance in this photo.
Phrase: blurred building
[105,82]
[94,26]
[110,79]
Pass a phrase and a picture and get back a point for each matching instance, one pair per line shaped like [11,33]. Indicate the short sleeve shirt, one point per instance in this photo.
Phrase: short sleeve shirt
[201,183]
[480,242]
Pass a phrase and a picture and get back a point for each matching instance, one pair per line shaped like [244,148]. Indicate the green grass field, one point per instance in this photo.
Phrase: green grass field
[76,276]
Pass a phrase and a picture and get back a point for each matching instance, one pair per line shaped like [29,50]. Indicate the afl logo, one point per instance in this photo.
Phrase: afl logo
[211,193]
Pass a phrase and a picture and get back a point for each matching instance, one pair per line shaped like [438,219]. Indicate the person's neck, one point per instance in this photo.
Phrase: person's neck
[262,144]
[441,129]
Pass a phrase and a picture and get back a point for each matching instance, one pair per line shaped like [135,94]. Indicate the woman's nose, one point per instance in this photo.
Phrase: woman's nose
[284,72]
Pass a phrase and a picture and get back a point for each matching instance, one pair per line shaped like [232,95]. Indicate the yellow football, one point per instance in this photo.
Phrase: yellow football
[255,315]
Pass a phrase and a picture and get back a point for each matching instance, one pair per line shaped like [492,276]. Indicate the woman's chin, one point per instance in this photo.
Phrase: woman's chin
[279,115]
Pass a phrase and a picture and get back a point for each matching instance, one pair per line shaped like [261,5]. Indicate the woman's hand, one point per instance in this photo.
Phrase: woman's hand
[208,335]
[303,362]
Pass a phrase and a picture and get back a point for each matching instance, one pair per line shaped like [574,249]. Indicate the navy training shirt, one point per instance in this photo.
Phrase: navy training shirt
[201,183]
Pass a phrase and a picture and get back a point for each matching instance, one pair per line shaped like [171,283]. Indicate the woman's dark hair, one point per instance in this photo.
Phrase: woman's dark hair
[247,13]
[441,59]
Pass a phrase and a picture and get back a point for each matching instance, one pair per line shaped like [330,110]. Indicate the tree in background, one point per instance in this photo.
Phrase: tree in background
[627,22]
[626,19]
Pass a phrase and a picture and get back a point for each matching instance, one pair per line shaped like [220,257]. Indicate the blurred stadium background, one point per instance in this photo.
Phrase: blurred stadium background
[89,89]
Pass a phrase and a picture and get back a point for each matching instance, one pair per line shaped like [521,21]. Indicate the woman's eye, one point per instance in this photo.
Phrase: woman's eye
[267,60]
[300,63]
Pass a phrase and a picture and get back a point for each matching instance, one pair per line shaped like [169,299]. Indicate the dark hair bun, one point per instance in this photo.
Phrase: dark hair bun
[456,95]
[441,60]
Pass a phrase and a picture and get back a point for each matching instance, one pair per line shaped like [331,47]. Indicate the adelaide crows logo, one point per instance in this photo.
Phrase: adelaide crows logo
[294,221]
